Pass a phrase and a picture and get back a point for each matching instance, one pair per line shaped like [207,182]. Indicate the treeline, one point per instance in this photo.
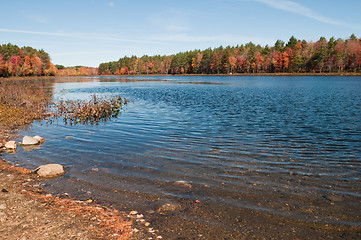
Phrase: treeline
[25,61]
[76,71]
[295,56]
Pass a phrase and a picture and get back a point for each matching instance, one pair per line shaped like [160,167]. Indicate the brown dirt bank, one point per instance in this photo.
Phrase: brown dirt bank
[27,212]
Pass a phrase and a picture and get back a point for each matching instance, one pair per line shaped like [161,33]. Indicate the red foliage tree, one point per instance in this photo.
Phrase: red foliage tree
[14,66]
[3,67]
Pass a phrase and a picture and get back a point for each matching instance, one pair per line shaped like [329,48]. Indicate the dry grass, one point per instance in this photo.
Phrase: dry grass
[21,102]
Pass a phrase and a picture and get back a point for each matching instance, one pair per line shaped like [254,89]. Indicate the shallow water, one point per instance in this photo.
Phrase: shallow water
[264,156]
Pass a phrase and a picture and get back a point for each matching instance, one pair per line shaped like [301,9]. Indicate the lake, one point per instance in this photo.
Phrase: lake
[238,157]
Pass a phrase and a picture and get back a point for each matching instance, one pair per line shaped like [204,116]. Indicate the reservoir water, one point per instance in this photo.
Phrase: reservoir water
[238,157]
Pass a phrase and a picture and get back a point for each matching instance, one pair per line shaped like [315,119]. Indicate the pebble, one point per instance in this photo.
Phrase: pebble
[2,217]
[133,212]
[2,206]
[183,183]
[169,207]
[10,145]
[39,139]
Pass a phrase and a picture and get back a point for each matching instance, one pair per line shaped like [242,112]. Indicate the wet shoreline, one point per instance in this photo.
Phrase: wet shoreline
[204,218]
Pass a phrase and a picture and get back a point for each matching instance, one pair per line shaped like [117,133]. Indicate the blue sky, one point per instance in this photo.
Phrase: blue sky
[80,32]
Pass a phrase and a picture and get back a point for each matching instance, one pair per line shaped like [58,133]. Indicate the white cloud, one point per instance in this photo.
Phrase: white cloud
[101,37]
[38,18]
[171,20]
[80,53]
[173,27]
[222,38]
[111,4]
[293,7]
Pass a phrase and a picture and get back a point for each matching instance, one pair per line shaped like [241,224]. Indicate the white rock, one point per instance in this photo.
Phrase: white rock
[183,183]
[50,170]
[39,139]
[10,145]
[29,141]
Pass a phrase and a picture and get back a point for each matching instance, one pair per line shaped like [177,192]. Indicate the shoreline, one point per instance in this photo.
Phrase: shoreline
[344,74]
[27,211]
[21,193]
[242,74]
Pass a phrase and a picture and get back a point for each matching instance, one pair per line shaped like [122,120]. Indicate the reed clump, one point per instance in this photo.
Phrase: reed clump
[92,111]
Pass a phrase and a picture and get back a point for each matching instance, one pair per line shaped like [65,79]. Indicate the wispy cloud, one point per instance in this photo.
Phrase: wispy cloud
[87,36]
[81,53]
[293,7]
[219,39]
[111,4]
[171,20]
[31,32]
[174,27]
[38,18]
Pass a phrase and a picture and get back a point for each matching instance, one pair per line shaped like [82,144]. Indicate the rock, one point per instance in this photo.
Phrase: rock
[29,148]
[29,141]
[2,206]
[10,145]
[39,139]
[168,207]
[50,170]
[183,183]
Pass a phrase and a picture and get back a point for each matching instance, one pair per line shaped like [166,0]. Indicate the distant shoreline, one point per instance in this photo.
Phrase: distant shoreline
[244,74]
[142,75]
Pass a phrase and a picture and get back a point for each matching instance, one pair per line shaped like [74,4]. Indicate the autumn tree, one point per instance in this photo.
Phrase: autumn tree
[294,56]
[37,65]
[14,66]
[3,67]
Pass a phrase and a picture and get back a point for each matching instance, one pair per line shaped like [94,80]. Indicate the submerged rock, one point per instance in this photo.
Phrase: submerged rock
[39,139]
[29,148]
[50,170]
[168,207]
[10,145]
[183,183]
[29,141]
